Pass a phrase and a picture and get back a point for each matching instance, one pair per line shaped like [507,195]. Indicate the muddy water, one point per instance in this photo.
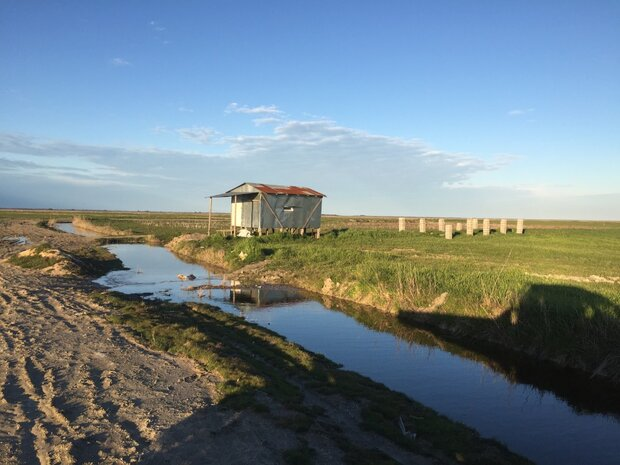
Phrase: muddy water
[548,415]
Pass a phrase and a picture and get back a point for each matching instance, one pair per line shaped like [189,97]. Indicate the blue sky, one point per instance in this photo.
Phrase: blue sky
[431,108]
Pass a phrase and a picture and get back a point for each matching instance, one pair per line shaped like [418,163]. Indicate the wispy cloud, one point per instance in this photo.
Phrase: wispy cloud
[156,26]
[521,111]
[98,175]
[119,62]
[361,171]
[265,121]
[22,144]
[183,109]
[202,135]
[259,110]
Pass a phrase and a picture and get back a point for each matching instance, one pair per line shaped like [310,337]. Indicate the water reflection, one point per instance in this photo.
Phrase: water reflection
[518,403]
[72,229]
[251,298]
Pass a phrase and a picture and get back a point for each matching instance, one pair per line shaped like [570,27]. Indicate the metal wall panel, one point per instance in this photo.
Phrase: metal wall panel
[293,211]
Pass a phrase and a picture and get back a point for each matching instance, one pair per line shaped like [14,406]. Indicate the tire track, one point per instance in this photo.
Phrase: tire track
[74,389]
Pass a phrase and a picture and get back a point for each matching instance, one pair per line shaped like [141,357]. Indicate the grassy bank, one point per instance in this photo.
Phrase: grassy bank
[90,261]
[554,294]
[252,361]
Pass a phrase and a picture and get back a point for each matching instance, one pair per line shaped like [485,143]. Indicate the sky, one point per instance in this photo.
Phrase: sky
[410,108]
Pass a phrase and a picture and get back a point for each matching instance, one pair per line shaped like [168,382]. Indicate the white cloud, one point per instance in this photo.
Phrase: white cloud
[361,172]
[521,111]
[119,62]
[259,110]
[183,109]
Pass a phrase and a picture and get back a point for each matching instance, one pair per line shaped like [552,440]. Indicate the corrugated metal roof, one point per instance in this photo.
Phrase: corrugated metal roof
[270,189]
[290,190]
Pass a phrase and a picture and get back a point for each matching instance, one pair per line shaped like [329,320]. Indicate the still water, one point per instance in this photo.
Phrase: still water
[70,228]
[548,415]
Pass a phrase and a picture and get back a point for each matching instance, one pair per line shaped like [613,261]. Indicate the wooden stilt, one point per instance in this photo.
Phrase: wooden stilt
[235,216]
[210,210]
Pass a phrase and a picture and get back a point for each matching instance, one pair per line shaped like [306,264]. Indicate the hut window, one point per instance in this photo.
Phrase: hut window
[288,208]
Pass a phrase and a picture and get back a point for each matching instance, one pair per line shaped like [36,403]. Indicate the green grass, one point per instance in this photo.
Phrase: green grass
[35,261]
[500,288]
[250,359]
[89,261]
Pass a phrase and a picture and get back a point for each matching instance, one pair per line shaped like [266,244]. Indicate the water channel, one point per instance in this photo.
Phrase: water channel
[549,415]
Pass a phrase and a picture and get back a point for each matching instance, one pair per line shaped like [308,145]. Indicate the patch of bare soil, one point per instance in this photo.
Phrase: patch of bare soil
[76,390]
[580,279]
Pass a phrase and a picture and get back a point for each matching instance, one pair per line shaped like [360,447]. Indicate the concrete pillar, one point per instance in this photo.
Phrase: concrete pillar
[318,233]
[441,224]
[503,226]
[401,224]
[474,223]
[486,227]
[520,226]
[302,232]
[422,225]
[470,227]
[459,227]
[448,233]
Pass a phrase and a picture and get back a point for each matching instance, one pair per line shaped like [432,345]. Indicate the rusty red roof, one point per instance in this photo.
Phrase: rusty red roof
[290,190]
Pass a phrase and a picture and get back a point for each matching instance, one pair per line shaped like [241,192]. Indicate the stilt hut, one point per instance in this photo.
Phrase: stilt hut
[260,208]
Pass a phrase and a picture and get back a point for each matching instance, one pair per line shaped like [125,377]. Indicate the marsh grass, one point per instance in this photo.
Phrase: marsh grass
[494,286]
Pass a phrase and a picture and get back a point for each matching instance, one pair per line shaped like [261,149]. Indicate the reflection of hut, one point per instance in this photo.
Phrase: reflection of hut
[265,296]
[262,207]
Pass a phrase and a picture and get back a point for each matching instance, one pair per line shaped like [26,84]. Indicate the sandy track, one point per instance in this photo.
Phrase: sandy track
[72,388]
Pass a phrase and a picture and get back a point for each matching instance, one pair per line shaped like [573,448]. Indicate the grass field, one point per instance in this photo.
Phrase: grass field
[553,292]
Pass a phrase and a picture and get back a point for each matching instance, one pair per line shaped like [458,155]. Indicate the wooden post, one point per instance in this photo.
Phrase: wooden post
[401,224]
[470,227]
[318,233]
[503,226]
[441,224]
[235,216]
[448,231]
[302,232]
[486,227]
[260,216]
[459,227]
[210,209]
[422,225]
[520,226]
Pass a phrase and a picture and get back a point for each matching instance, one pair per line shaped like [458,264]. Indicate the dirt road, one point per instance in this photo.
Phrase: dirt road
[72,388]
